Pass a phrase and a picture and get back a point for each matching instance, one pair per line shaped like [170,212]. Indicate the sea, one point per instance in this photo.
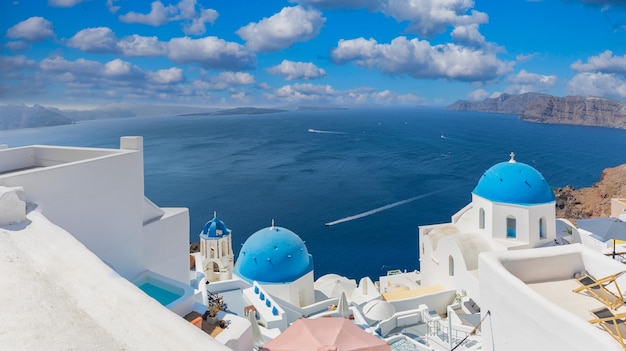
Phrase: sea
[354,184]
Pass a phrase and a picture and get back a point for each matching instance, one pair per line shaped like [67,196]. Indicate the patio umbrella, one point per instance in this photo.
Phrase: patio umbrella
[342,306]
[325,334]
[257,338]
[605,229]
[378,310]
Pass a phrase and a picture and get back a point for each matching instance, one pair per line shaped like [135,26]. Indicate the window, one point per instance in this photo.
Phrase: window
[481,218]
[511,231]
[450,265]
[542,228]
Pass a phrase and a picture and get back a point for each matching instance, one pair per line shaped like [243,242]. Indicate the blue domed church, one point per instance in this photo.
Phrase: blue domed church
[512,207]
[278,260]
[216,248]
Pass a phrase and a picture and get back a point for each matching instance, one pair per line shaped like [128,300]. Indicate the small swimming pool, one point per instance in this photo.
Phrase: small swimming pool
[172,294]
[165,297]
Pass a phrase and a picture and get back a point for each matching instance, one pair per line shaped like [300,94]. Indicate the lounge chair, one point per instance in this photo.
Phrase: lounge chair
[610,322]
[598,288]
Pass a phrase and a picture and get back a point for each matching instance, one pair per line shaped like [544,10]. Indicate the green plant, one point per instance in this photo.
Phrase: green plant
[458,297]
[216,304]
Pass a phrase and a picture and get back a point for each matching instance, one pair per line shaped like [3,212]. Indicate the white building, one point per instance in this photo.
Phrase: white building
[216,248]
[75,230]
[528,302]
[512,208]
[278,260]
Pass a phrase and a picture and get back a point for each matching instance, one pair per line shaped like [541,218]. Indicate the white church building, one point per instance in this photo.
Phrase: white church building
[512,208]
[216,248]
[278,260]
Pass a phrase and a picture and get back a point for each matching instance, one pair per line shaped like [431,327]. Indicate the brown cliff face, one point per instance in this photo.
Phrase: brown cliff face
[544,108]
[589,111]
[594,201]
[505,103]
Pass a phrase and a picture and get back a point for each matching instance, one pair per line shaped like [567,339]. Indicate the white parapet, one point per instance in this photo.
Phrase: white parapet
[12,205]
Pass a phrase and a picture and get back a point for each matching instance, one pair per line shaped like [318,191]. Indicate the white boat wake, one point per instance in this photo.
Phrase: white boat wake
[379,209]
[324,131]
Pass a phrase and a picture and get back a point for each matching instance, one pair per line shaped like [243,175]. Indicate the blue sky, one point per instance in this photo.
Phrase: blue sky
[78,53]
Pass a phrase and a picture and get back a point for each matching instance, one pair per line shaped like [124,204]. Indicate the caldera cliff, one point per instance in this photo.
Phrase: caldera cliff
[544,108]
[594,201]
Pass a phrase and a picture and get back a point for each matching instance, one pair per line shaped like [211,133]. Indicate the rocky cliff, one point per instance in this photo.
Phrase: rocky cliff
[587,111]
[544,108]
[22,116]
[505,103]
[594,201]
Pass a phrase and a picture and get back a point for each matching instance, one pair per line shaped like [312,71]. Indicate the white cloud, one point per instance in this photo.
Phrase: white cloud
[103,40]
[90,79]
[197,25]
[190,12]
[468,35]
[225,81]
[597,84]
[389,97]
[116,72]
[14,63]
[158,15]
[303,92]
[136,45]
[428,17]
[351,4]
[17,45]
[100,40]
[478,94]
[210,52]
[58,64]
[291,70]
[605,62]
[290,25]
[166,76]
[111,6]
[118,68]
[525,58]
[525,82]
[34,29]
[64,3]
[240,96]
[418,59]
[235,78]
[425,17]
[367,95]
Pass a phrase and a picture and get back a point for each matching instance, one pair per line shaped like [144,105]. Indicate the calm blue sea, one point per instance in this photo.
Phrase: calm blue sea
[308,168]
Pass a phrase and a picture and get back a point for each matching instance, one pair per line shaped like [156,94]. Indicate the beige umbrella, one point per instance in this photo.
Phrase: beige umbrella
[257,338]
[342,306]
[325,334]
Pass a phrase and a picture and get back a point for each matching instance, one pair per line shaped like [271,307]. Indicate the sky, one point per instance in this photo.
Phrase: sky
[269,53]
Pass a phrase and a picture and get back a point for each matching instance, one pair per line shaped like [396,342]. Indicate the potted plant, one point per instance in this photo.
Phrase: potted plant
[216,304]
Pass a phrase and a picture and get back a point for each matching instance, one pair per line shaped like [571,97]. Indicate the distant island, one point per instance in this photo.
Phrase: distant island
[20,116]
[319,108]
[544,108]
[24,116]
[238,111]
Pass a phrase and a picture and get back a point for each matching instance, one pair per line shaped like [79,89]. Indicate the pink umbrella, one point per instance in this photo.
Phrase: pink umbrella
[325,334]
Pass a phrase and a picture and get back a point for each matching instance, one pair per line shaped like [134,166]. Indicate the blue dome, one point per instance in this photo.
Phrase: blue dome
[273,255]
[514,183]
[214,229]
